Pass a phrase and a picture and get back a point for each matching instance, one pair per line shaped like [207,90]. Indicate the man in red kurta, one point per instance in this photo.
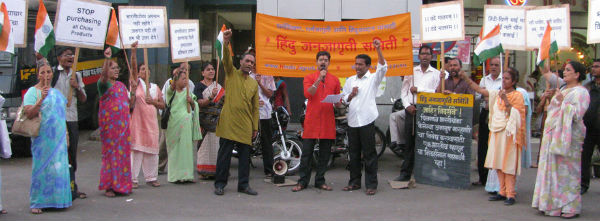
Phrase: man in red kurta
[319,122]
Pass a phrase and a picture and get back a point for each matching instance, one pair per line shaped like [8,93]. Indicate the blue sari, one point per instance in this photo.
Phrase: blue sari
[50,180]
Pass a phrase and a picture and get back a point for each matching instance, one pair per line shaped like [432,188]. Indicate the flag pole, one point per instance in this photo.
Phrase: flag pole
[147,71]
[443,58]
[73,76]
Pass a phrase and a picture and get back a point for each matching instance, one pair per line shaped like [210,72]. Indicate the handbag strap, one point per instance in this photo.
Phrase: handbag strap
[172,97]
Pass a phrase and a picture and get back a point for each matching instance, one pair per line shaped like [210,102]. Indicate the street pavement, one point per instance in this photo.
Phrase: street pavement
[196,201]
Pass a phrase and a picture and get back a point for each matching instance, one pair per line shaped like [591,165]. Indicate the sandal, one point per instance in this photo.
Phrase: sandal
[135,185]
[81,195]
[569,215]
[36,211]
[153,183]
[371,192]
[351,187]
[109,193]
[298,188]
[325,187]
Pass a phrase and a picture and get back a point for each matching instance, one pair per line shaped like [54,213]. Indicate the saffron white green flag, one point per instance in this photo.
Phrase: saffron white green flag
[44,32]
[219,44]
[548,46]
[488,47]
[6,37]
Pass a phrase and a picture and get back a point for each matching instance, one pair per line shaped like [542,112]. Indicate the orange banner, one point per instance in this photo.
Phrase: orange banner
[288,47]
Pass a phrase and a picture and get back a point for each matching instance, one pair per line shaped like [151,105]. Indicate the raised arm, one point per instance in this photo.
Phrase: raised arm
[227,61]
[134,66]
[474,85]
[106,65]
[381,62]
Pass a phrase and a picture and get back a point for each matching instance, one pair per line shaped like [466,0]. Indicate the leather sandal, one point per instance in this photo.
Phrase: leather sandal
[325,187]
[109,193]
[351,187]
[371,192]
[298,188]
[36,211]
[153,183]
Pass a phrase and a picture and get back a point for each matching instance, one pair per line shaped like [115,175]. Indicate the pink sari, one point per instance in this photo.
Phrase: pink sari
[113,119]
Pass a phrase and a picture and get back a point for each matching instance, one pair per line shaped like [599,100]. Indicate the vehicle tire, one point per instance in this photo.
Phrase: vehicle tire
[295,148]
[379,142]
[316,158]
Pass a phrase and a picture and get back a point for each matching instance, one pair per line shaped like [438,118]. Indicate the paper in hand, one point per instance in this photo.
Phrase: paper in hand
[332,98]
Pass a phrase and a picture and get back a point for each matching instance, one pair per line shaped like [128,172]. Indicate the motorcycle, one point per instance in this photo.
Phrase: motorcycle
[340,146]
[287,150]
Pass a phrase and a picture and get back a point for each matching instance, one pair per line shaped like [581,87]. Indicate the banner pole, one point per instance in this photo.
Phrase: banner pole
[73,76]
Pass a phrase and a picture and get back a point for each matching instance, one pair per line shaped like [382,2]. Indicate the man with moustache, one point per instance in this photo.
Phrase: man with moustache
[591,119]
[454,84]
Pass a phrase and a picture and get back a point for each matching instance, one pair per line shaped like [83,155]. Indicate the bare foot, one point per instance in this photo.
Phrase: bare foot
[36,211]
[153,183]
[109,193]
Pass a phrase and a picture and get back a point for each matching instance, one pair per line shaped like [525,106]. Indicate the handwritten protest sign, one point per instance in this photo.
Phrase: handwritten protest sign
[593,30]
[443,21]
[443,139]
[287,47]
[512,25]
[17,13]
[145,24]
[185,40]
[81,23]
[560,20]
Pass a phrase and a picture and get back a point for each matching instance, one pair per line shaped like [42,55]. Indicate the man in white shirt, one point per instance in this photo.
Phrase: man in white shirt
[63,82]
[491,81]
[424,79]
[361,91]
[266,88]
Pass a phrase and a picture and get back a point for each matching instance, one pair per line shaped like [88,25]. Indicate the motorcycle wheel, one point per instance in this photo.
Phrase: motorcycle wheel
[295,148]
[316,158]
[379,142]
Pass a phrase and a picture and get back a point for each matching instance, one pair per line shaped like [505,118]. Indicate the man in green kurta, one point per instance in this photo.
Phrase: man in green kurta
[238,122]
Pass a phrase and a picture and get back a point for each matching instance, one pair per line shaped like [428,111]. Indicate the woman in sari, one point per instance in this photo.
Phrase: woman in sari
[507,133]
[557,186]
[210,101]
[144,124]
[182,130]
[113,119]
[50,180]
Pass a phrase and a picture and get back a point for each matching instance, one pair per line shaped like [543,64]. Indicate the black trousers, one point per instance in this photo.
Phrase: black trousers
[362,141]
[482,145]
[266,135]
[224,162]
[590,143]
[308,146]
[408,164]
[73,130]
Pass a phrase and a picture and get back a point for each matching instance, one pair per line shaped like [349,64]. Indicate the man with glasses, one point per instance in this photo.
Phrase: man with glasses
[491,81]
[591,119]
[63,82]
[425,78]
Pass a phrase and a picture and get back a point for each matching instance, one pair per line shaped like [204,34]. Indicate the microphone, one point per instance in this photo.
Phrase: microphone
[321,68]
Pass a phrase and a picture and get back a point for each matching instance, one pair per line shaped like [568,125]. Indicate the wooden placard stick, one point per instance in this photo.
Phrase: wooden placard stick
[506,59]
[73,76]
[147,71]
[217,71]
[443,58]
[187,88]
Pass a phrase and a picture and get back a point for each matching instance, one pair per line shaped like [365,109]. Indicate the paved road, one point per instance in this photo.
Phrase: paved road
[197,201]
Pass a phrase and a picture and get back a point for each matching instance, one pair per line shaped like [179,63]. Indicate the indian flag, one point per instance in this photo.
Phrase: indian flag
[112,36]
[488,47]
[44,32]
[6,38]
[548,46]
[219,43]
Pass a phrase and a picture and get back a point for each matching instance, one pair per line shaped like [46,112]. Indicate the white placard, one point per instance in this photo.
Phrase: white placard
[185,40]
[512,25]
[145,24]
[17,13]
[442,22]
[593,31]
[81,23]
[560,20]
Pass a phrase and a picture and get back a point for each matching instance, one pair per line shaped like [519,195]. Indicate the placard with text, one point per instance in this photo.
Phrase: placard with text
[17,13]
[512,25]
[81,23]
[443,139]
[560,20]
[185,40]
[443,21]
[145,24]
[593,30]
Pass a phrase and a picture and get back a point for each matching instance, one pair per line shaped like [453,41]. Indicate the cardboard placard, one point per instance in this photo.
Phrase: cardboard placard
[145,24]
[185,40]
[17,13]
[593,30]
[512,25]
[443,21]
[560,20]
[443,139]
[82,23]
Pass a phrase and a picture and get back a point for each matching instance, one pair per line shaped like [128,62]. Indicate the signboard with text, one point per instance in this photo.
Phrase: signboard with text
[17,13]
[443,21]
[145,24]
[512,25]
[443,139]
[560,20]
[593,30]
[185,40]
[81,23]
